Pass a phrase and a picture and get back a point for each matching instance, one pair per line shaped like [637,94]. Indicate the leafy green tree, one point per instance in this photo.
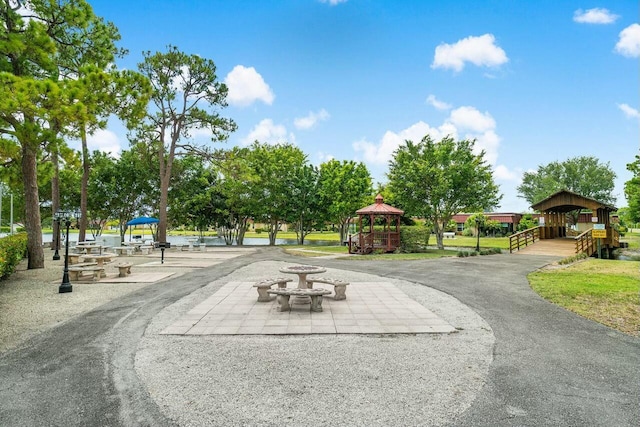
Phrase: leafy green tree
[186,97]
[306,202]
[632,192]
[37,100]
[583,175]
[436,180]
[120,188]
[477,221]
[527,222]
[236,193]
[275,169]
[345,187]
[194,198]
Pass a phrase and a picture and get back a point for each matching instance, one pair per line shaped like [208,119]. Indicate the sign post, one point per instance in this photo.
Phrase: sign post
[599,232]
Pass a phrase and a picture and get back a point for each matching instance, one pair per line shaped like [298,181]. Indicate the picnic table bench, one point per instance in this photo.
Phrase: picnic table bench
[283,294]
[449,235]
[76,273]
[120,250]
[266,284]
[124,269]
[339,286]
[74,258]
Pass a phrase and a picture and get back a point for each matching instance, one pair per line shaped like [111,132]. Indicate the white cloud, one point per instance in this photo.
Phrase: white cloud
[333,2]
[324,157]
[502,173]
[629,111]
[104,140]
[437,104]
[383,152]
[466,122]
[469,118]
[268,132]
[480,51]
[594,16]
[247,86]
[629,41]
[311,119]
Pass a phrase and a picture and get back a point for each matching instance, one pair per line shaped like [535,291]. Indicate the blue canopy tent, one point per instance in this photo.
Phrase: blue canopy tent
[142,220]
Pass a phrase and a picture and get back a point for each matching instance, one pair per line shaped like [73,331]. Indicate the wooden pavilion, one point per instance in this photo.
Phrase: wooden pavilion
[368,238]
[553,223]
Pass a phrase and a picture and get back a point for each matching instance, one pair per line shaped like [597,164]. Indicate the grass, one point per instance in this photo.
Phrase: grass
[605,291]
[633,239]
[316,251]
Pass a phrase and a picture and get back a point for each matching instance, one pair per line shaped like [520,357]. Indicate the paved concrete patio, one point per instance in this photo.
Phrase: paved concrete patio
[370,308]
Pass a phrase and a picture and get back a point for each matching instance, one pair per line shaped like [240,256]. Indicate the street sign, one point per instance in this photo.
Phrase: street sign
[599,234]
[598,227]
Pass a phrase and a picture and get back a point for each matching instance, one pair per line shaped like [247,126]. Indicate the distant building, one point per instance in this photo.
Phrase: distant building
[508,221]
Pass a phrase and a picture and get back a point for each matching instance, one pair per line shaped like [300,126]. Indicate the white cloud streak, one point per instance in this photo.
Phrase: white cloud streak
[311,120]
[333,2]
[594,16]
[629,111]
[247,86]
[104,140]
[437,104]
[480,51]
[269,133]
[464,122]
[629,41]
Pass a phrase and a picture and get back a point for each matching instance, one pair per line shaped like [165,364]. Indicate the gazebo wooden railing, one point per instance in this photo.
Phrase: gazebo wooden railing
[524,238]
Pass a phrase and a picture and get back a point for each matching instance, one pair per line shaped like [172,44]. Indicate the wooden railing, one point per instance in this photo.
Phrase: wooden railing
[375,240]
[524,238]
[585,243]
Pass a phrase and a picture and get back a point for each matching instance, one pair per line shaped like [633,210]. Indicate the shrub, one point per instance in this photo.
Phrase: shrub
[259,230]
[463,254]
[414,239]
[12,250]
[572,259]
[490,251]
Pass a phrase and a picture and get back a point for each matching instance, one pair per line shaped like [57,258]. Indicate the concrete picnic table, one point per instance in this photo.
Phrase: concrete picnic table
[302,271]
[100,259]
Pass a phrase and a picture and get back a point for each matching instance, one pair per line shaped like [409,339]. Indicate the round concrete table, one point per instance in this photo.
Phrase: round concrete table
[302,271]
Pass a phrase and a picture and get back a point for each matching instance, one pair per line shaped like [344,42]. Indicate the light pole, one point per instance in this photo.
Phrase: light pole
[65,216]
[478,234]
[56,237]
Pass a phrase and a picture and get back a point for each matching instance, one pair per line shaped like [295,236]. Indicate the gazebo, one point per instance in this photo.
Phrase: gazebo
[369,239]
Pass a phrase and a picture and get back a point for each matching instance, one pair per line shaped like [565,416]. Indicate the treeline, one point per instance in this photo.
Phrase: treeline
[269,184]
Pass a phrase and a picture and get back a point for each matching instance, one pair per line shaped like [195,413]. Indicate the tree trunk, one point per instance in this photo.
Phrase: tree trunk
[82,223]
[162,206]
[242,228]
[55,197]
[439,229]
[32,223]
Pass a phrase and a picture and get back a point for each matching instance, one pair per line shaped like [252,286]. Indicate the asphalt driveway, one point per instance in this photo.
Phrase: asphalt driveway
[550,367]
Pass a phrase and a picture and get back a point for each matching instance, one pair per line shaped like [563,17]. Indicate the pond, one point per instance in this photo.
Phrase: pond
[208,240]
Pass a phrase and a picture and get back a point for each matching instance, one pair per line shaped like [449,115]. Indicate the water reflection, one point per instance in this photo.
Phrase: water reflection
[208,241]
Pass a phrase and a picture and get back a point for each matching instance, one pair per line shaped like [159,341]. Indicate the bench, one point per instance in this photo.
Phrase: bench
[124,268]
[339,286]
[146,250]
[74,258]
[120,250]
[449,235]
[283,295]
[266,284]
[76,273]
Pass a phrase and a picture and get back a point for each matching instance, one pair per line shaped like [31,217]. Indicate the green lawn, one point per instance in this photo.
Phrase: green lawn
[633,239]
[605,291]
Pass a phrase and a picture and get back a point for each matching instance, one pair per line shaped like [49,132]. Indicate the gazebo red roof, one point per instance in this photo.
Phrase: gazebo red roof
[379,208]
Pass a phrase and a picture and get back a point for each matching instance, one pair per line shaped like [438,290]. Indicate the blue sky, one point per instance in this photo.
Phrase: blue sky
[532,81]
